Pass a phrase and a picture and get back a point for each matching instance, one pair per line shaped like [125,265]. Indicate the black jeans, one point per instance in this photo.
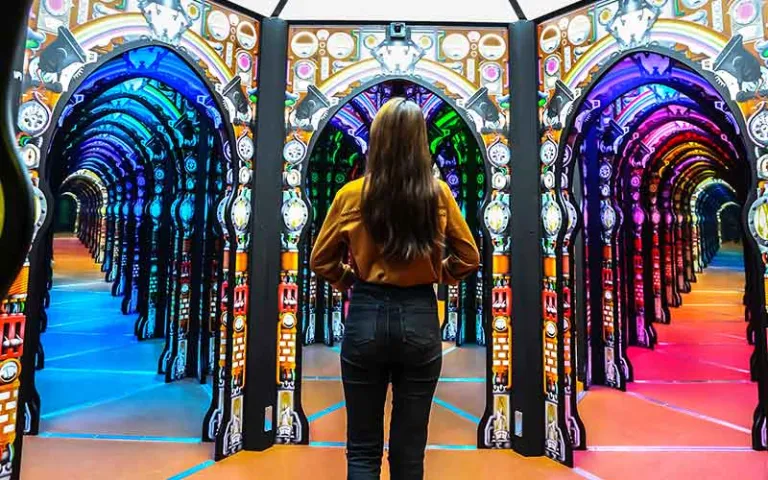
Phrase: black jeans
[392,335]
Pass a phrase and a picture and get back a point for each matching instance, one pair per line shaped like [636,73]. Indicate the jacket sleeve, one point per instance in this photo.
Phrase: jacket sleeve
[463,256]
[327,259]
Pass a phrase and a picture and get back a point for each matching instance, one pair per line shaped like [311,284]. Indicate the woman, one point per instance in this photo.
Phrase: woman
[397,221]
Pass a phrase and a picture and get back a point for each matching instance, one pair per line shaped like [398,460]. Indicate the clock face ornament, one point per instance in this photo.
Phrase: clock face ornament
[245,147]
[34,118]
[294,152]
[499,155]
[497,217]
[548,153]
[295,214]
[758,126]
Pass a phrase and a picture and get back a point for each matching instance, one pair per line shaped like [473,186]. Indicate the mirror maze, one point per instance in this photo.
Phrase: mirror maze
[142,117]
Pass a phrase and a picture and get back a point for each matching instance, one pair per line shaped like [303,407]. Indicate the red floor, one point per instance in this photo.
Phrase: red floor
[689,412]
[688,416]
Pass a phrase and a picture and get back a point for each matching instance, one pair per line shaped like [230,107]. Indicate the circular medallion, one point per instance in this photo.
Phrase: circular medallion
[605,171]
[241,212]
[492,46]
[190,165]
[193,11]
[294,151]
[579,29]
[239,323]
[340,45]
[245,175]
[758,126]
[371,41]
[288,320]
[246,35]
[56,8]
[607,216]
[499,181]
[573,216]
[293,178]
[567,155]
[304,44]
[31,155]
[159,174]
[638,215]
[551,329]
[9,370]
[552,65]
[548,180]
[497,217]
[156,208]
[295,214]
[605,16]
[244,61]
[605,190]
[498,154]
[553,218]
[500,324]
[491,72]
[221,210]
[456,46]
[758,220]
[305,70]
[245,147]
[549,39]
[218,25]
[745,12]
[762,167]
[425,42]
[548,152]
[187,211]
[34,118]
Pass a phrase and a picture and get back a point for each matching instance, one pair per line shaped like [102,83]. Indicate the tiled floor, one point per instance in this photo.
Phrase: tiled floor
[688,416]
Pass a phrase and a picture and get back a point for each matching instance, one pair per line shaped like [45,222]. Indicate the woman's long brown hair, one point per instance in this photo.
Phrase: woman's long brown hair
[400,195]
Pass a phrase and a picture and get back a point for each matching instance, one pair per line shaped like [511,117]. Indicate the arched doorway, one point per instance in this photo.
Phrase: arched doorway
[73,43]
[142,143]
[318,95]
[337,157]
[649,155]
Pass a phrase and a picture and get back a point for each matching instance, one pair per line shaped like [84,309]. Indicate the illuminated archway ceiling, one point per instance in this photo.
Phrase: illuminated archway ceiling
[496,11]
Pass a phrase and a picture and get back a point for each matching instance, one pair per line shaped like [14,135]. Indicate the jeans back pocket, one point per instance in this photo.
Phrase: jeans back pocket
[421,327]
[360,327]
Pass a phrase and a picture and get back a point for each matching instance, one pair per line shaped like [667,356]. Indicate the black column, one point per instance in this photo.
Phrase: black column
[527,363]
[261,382]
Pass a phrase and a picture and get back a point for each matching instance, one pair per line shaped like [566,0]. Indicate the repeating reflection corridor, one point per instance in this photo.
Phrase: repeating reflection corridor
[688,412]
[98,379]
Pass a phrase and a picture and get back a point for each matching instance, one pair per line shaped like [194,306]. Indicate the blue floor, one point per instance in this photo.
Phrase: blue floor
[98,379]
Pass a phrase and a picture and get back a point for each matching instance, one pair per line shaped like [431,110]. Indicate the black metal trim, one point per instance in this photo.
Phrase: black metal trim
[318,22]
[238,8]
[266,226]
[518,10]
[525,226]
[279,8]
